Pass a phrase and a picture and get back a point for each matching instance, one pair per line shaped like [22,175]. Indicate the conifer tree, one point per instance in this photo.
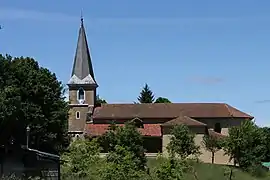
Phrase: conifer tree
[146,95]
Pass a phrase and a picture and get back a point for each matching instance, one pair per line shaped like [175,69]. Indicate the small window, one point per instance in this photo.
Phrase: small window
[217,128]
[81,94]
[77,115]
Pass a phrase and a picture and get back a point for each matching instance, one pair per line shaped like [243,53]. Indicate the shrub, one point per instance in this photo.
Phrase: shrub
[171,169]
[182,142]
[121,165]
[82,159]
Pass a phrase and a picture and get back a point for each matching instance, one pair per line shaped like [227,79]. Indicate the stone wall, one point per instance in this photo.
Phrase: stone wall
[77,124]
[206,156]
[89,96]
[225,123]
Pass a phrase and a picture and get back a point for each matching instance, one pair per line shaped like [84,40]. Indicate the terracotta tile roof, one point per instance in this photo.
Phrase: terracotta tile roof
[216,134]
[167,110]
[183,120]
[99,129]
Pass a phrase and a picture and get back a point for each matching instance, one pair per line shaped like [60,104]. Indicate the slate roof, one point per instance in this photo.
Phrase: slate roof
[99,129]
[82,72]
[167,110]
[183,120]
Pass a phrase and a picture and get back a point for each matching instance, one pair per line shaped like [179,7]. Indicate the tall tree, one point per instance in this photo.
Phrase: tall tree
[182,142]
[246,144]
[81,160]
[31,96]
[128,138]
[266,131]
[146,95]
[212,144]
[162,100]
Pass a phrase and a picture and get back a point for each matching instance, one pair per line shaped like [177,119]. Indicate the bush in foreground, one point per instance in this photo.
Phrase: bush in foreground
[82,159]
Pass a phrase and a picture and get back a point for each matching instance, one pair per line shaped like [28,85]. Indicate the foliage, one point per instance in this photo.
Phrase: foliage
[212,144]
[120,165]
[257,170]
[246,144]
[162,100]
[81,159]
[100,101]
[127,137]
[182,142]
[31,95]
[266,131]
[170,169]
[146,95]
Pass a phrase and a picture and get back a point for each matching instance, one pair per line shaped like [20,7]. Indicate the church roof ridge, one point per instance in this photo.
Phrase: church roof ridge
[168,110]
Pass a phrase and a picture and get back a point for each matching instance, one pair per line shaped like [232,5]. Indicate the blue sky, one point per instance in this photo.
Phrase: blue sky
[187,51]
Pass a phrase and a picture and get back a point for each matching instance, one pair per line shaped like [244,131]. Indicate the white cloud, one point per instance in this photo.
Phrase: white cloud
[207,80]
[263,101]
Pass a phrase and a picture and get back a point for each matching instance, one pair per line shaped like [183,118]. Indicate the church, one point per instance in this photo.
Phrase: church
[154,120]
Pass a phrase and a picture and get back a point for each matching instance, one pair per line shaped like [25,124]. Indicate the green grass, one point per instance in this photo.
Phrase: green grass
[203,172]
[212,172]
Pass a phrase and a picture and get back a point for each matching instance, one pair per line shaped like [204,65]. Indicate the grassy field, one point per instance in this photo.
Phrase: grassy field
[213,172]
[203,172]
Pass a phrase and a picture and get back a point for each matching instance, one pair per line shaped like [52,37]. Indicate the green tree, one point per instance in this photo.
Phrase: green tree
[171,169]
[246,145]
[100,101]
[162,100]
[266,131]
[81,159]
[129,138]
[31,95]
[212,144]
[182,142]
[120,165]
[146,95]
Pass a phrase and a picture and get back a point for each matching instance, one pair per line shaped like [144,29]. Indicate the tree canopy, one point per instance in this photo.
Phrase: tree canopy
[146,95]
[162,100]
[246,144]
[125,158]
[266,131]
[81,159]
[100,100]
[32,96]
[182,142]
[212,144]
[128,138]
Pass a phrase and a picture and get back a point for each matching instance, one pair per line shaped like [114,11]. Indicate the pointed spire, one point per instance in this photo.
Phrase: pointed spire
[81,18]
[82,72]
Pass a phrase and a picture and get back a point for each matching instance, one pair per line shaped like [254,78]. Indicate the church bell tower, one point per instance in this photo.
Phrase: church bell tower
[82,85]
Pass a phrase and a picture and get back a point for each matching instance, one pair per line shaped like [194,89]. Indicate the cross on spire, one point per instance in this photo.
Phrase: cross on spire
[81,17]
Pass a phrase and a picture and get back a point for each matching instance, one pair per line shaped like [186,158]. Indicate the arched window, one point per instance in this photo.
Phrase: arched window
[81,94]
[217,128]
[137,122]
[78,115]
